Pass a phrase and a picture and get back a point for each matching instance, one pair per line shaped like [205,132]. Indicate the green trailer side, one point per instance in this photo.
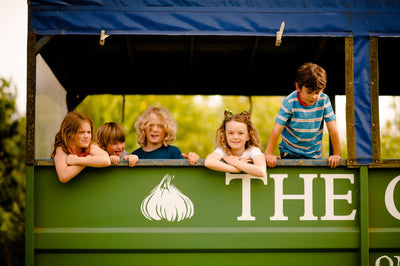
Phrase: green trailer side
[297,215]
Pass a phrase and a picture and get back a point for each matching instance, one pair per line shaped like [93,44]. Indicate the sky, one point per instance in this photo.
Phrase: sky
[13,47]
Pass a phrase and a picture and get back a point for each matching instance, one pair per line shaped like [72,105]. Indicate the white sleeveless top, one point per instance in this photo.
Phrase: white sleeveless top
[248,153]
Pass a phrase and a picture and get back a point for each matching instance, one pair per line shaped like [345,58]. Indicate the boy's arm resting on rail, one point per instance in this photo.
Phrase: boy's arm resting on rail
[270,158]
[257,168]
[334,159]
[213,161]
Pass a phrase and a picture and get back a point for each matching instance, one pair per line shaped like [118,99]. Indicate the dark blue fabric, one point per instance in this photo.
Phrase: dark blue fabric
[202,17]
[345,4]
[169,152]
[362,101]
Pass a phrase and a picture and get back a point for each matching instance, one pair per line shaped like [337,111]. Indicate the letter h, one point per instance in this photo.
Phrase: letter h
[307,197]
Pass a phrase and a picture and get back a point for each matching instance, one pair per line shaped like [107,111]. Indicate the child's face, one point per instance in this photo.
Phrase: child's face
[236,135]
[308,96]
[83,136]
[155,131]
[115,148]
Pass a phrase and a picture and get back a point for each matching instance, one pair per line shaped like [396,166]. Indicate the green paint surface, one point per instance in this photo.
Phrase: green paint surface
[96,219]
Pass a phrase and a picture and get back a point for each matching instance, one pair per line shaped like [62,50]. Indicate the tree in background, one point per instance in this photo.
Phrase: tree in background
[12,179]
[390,134]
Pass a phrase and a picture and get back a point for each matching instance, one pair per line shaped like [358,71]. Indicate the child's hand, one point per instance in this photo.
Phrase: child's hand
[72,159]
[271,159]
[132,159]
[114,159]
[334,160]
[192,157]
[231,159]
[246,160]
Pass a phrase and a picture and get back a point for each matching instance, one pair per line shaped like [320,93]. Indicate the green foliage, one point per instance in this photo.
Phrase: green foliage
[390,134]
[12,174]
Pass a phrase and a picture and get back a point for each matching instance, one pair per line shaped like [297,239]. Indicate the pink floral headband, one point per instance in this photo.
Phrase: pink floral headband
[228,114]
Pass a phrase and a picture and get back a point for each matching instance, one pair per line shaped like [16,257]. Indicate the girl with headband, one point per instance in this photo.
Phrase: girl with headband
[238,147]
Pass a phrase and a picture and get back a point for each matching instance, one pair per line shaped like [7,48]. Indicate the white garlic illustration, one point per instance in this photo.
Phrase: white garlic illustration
[167,202]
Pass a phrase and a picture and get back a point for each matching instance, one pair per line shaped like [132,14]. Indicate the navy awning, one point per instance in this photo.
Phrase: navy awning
[214,17]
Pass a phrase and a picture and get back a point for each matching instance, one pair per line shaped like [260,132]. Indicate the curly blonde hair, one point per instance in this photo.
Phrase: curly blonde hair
[220,139]
[168,122]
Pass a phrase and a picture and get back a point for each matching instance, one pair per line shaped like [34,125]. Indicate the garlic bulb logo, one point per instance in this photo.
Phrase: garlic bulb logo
[167,202]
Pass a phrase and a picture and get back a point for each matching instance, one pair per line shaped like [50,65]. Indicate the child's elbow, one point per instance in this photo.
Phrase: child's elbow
[261,173]
[64,179]
[207,163]
[106,161]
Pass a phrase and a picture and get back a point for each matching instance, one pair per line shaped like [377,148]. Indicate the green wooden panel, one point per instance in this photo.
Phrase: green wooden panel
[112,197]
[302,215]
[196,238]
[231,258]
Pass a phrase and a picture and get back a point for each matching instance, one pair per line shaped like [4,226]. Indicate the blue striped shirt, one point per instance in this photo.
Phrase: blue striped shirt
[303,125]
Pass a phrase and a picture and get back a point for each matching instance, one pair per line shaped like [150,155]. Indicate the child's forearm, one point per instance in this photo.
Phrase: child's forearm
[251,169]
[273,139]
[334,136]
[220,166]
[68,172]
[213,161]
[94,161]
[336,145]
[270,146]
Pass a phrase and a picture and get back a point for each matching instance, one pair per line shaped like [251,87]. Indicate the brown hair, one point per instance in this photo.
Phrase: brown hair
[165,116]
[110,133]
[68,129]
[220,139]
[311,76]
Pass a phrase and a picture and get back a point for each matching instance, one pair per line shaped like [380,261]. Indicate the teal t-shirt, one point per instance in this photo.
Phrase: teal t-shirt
[303,125]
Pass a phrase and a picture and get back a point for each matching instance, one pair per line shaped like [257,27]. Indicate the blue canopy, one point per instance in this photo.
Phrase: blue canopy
[215,17]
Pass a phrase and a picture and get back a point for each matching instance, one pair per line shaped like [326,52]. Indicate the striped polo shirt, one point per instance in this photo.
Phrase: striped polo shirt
[303,125]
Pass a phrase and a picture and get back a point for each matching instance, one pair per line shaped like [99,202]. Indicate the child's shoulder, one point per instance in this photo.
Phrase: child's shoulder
[292,95]
[173,152]
[172,148]
[253,150]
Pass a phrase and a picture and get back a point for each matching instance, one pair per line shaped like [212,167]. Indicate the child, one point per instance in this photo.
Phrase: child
[74,148]
[111,138]
[156,130]
[301,120]
[239,147]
